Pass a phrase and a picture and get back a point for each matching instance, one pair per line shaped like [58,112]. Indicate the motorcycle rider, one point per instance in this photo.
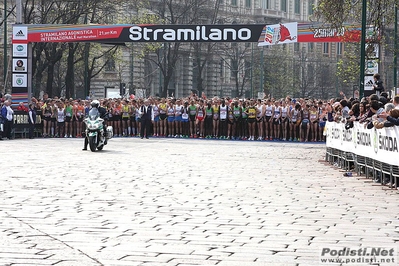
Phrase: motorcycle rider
[95,106]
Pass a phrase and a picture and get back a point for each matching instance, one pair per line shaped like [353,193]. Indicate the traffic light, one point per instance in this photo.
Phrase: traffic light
[122,88]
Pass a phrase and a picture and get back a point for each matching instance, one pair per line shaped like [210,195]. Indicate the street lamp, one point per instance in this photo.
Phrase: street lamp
[5,44]
[262,70]
[303,60]
[395,50]
[363,49]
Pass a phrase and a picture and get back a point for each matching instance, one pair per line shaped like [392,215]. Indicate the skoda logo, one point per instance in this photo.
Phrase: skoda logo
[341,136]
[19,81]
[375,141]
[355,137]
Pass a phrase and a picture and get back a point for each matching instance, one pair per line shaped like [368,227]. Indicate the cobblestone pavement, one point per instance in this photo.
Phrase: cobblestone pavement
[183,202]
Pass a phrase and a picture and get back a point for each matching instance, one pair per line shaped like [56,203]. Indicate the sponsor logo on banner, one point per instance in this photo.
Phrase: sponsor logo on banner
[20,33]
[20,50]
[388,143]
[375,141]
[372,50]
[354,139]
[368,83]
[335,133]
[341,136]
[364,139]
[19,80]
[280,33]
[371,67]
[347,135]
[19,65]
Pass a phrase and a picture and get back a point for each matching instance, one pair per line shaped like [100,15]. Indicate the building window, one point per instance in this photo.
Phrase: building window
[326,48]
[248,3]
[234,2]
[110,65]
[339,48]
[297,8]
[311,6]
[247,70]
[310,74]
[311,47]
[265,4]
[296,47]
[284,5]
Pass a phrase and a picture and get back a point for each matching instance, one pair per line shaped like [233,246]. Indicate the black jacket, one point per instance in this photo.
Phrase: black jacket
[378,86]
[393,120]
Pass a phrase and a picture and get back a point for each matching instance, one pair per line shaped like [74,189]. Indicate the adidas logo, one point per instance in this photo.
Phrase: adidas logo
[20,34]
[370,82]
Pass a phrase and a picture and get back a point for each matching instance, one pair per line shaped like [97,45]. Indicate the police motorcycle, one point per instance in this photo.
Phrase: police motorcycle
[96,136]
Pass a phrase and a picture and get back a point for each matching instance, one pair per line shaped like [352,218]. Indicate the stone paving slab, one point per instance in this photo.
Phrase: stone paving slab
[183,202]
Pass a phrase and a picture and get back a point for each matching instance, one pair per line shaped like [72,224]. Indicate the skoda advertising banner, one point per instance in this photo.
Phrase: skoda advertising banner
[378,144]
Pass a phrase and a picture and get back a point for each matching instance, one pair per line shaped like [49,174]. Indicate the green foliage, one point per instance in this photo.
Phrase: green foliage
[380,14]
[348,67]
[278,72]
[379,20]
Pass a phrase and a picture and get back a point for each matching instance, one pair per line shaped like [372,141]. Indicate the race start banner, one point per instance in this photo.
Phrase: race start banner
[263,34]
[377,144]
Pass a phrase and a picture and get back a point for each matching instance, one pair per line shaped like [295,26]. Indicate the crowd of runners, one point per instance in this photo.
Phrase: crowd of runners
[195,117]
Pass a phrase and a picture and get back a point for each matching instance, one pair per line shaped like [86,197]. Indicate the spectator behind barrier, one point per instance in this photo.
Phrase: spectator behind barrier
[380,122]
[392,117]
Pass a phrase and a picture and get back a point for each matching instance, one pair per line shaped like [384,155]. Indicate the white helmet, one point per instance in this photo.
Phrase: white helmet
[95,103]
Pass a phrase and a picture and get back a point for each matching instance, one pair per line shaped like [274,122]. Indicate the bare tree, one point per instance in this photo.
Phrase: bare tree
[236,58]
[278,72]
[168,54]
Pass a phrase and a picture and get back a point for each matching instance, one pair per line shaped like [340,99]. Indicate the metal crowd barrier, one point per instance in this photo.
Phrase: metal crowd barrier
[368,167]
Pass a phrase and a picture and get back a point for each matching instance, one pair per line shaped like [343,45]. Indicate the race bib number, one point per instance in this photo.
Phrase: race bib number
[223,114]
[184,116]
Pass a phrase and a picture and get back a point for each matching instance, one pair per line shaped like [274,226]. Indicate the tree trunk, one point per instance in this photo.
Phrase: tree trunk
[237,85]
[69,77]
[200,85]
[38,83]
[200,82]
[166,80]
[50,79]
